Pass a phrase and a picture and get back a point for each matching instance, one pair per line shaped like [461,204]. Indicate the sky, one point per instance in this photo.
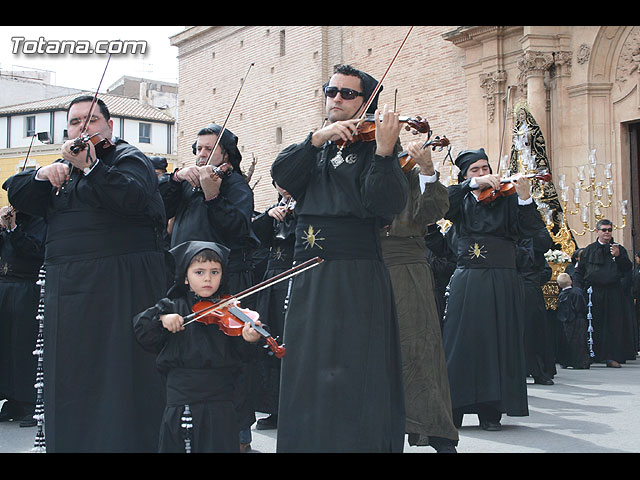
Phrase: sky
[46,48]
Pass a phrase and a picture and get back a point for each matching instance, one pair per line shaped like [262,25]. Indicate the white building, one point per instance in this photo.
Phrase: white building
[148,128]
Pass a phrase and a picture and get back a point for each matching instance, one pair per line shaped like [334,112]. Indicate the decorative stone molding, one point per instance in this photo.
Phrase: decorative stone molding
[562,63]
[584,53]
[532,63]
[490,82]
[628,67]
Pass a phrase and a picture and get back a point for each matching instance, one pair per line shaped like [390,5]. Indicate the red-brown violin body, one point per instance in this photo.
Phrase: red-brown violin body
[230,319]
[207,313]
[367,128]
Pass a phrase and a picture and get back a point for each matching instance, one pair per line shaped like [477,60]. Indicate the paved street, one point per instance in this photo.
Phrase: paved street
[586,411]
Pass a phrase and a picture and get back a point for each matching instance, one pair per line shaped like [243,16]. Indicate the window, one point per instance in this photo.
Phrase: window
[144,132]
[282,43]
[30,126]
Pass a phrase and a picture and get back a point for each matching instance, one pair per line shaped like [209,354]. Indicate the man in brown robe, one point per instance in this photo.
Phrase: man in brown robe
[429,419]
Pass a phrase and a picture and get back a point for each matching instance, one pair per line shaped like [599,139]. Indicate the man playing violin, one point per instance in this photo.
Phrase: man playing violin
[210,206]
[344,100]
[99,125]
[484,322]
[104,261]
[341,382]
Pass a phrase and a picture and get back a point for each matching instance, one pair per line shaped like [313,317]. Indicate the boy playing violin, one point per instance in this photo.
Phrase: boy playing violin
[199,362]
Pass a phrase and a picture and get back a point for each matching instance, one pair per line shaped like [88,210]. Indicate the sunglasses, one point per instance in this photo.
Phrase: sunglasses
[346,93]
[606,229]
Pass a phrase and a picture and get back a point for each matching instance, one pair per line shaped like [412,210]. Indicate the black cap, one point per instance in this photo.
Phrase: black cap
[466,158]
[159,163]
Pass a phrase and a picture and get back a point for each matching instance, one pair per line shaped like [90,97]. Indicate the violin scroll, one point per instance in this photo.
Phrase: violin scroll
[222,170]
[437,142]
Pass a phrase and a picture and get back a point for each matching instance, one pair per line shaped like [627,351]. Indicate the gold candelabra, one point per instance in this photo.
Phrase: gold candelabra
[600,193]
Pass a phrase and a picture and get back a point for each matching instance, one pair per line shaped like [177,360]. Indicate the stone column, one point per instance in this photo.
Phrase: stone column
[531,81]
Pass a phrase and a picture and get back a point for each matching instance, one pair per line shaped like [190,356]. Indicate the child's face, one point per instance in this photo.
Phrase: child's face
[204,277]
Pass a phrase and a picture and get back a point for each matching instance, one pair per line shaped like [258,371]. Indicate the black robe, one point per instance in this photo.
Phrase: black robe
[612,321]
[21,256]
[443,263]
[635,293]
[573,350]
[104,263]
[341,380]
[538,334]
[483,332]
[280,238]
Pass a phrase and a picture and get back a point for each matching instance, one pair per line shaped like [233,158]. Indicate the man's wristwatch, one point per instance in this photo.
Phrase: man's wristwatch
[86,170]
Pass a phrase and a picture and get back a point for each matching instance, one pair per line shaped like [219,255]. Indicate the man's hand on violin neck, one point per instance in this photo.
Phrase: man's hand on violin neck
[189,174]
[209,182]
[422,156]
[83,158]
[387,131]
[523,187]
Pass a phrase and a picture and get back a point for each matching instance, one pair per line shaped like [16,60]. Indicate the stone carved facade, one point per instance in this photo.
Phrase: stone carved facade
[492,83]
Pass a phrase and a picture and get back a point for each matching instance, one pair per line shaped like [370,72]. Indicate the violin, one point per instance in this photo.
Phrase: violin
[507,187]
[220,171]
[82,140]
[288,204]
[407,163]
[366,131]
[7,218]
[230,319]
[223,170]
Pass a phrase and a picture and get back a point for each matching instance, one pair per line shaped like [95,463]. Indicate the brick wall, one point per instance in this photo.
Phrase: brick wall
[282,100]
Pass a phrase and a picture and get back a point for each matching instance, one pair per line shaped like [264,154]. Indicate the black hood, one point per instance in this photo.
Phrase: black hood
[229,143]
[369,84]
[467,158]
[184,253]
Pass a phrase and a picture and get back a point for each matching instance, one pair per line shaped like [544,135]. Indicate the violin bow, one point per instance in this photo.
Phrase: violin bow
[85,125]
[365,107]
[292,272]
[11,210]
[504,126]
[224,125]
[24,165]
